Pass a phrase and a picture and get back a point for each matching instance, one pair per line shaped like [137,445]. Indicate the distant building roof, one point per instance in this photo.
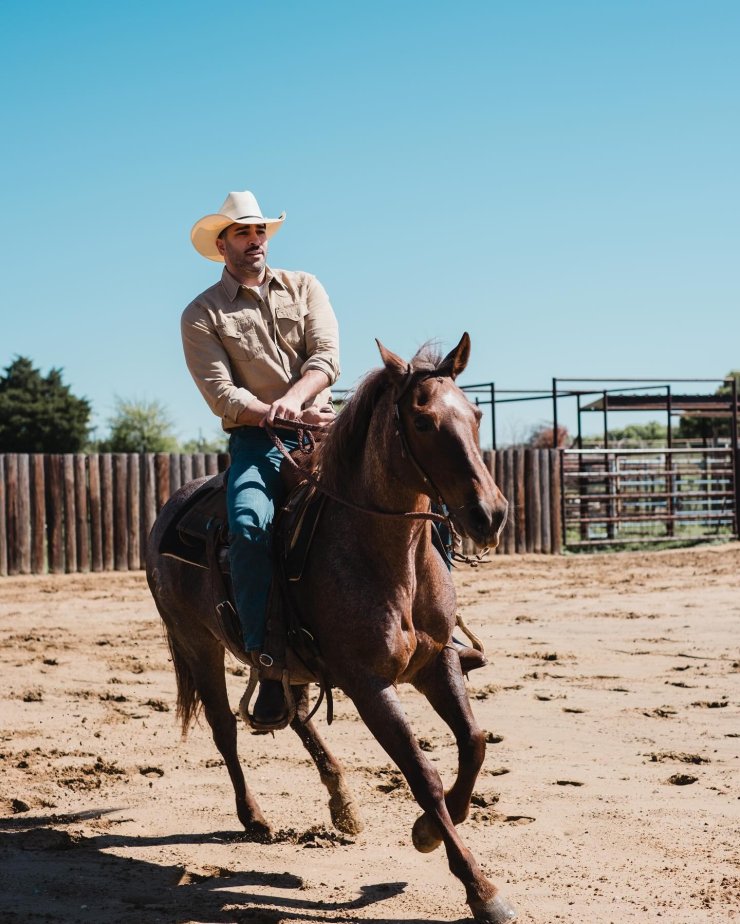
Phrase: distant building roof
[686,405]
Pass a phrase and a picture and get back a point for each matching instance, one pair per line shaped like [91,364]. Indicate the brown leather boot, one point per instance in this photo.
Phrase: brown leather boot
[470,658]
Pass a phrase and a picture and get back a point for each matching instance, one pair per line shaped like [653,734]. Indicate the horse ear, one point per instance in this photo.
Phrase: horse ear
[397,368]
[456,361]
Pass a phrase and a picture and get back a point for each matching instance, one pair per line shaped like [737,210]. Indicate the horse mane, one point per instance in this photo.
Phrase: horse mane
[340,451]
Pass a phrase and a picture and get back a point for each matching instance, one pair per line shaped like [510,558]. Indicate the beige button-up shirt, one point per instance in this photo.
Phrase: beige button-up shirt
[238,347]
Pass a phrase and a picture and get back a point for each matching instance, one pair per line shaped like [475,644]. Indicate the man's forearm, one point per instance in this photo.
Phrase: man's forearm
[307,387]
[253,414]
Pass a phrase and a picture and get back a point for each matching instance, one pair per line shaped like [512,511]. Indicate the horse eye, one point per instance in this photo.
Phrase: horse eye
[422,424]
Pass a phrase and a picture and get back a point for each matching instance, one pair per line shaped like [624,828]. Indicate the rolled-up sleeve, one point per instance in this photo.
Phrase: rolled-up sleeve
[322,333]
[209,365]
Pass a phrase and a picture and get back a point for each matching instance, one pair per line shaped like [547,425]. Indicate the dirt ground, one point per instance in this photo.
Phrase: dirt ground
[610,791]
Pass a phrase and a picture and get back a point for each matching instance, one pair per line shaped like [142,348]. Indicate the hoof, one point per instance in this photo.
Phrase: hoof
[259,832]
[345,816]
[424,835]
[495,911]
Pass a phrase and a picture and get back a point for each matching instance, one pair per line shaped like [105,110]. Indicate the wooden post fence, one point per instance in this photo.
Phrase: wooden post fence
[78,513]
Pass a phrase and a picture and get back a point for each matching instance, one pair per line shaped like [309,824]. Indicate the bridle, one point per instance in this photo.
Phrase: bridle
[405,447]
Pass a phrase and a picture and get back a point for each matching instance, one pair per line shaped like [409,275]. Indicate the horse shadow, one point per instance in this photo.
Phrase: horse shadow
[48,874]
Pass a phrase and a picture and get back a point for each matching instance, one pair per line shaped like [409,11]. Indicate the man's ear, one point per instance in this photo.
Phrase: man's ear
[456,361]
[220,246]
[397,368]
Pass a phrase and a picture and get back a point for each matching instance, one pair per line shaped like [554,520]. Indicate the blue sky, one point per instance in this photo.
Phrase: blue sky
[558,178]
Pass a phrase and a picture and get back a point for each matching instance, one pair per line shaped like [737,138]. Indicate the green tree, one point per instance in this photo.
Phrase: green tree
[650,432]
[711,428]
[139,426]
[217,443]
[39,413]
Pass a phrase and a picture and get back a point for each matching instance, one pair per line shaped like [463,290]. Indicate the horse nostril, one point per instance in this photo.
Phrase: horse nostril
[481,518]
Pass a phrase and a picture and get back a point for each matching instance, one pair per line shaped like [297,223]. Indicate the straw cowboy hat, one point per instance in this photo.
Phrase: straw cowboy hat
[240,208]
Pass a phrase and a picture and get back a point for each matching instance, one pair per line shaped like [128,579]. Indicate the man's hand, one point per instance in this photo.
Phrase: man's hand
[318,415]
[288,407]
[287,410]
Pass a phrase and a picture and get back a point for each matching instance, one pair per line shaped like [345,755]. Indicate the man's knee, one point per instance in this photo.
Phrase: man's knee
[243,531]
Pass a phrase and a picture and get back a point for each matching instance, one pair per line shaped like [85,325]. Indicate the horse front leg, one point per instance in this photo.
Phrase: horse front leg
[378,704]
[443,685]
[345,814]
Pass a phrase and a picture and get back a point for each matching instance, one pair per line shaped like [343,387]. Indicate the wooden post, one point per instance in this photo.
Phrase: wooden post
[224,461]
[199,464]
[545,512]
[24,514]
[3,521]
[38,514]
[82,523]
[556,518]
[96,512]
[54,466]
[107,507]
[528,501]
[11,487]
[186,468]
[211,463]
[70,517]
[532,494]
[500,480]
[120,511]
[510,492]
[521,501]
[148,501]
[536,499]
[133,517]
[175,473]
[164,469]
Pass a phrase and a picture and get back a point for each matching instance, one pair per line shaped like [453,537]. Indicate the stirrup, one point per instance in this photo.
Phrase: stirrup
[249,693]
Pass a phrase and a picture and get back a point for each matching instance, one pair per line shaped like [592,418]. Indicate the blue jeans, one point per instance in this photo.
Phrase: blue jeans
[253,493]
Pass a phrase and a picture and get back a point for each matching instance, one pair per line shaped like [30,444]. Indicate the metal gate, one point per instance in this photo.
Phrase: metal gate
[626,496]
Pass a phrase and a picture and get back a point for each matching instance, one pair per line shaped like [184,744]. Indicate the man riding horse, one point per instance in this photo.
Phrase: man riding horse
[261,343]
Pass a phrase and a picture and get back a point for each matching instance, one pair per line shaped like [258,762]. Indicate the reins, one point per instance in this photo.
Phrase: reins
[307,443]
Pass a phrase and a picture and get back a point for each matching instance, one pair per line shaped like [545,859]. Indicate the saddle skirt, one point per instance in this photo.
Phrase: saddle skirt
[199,536]
[186,538]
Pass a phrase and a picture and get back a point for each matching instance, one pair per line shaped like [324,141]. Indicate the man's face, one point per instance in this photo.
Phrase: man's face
[244,249]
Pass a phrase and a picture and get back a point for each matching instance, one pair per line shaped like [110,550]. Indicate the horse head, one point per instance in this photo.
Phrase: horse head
[438,428]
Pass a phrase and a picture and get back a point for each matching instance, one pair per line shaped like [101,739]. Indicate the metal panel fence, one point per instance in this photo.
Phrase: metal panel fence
[77,513]
[619,496]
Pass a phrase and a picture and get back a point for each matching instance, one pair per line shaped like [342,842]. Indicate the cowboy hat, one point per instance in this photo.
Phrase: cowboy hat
[240,208]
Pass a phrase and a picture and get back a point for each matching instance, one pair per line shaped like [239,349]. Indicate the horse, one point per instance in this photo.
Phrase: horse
[375,594]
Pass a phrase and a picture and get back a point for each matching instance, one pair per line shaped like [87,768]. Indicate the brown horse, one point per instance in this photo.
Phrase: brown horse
[376,596]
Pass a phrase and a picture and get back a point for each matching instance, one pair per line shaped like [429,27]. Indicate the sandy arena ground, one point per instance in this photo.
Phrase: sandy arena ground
[610,790]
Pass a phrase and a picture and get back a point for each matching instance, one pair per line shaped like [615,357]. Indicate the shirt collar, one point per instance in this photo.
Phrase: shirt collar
[232,286]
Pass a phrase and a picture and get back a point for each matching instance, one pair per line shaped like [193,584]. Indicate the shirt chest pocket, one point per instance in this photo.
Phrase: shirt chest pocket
[241,337]
[290,324]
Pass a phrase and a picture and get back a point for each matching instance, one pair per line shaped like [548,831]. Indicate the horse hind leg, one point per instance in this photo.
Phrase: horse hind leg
[205,679]
[443,685]
[380,709]
[345,814]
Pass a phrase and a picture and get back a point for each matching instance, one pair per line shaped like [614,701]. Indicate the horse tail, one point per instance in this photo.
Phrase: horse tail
[188,700]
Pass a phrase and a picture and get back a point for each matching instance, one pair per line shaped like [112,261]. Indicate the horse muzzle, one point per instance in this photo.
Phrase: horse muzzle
[483,521]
